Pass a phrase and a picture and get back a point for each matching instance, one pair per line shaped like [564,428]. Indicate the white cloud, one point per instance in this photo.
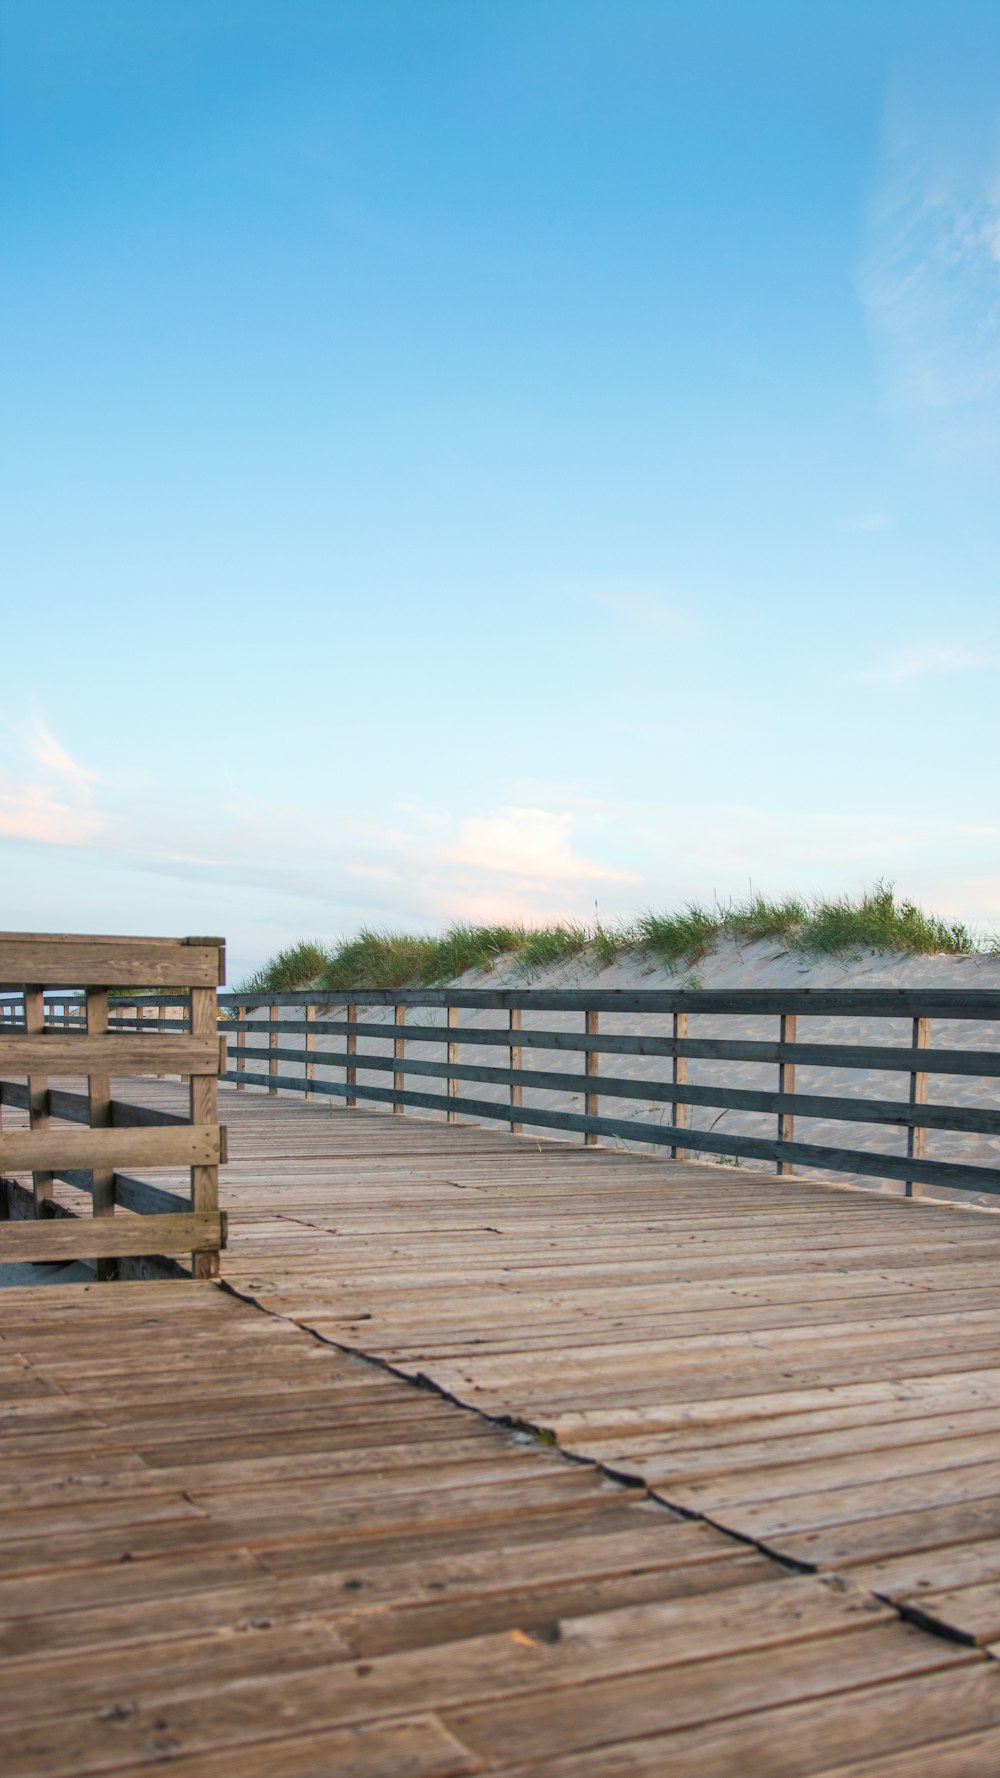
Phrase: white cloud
[930,282]
[52,805]
[531,845]
[921,659]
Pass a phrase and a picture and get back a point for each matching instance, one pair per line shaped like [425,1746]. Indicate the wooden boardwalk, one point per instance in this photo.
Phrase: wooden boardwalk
[229,1545]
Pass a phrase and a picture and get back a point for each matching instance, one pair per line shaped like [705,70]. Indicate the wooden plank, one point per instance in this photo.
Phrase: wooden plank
[310,1048]
[350,1075]
[451,1059]
[57,1052]
[855,1110]
[786,1088]
[37,1090]
[956,1176]
[203,1100]
[105,1148]
[514,1056]
[75,1108]
[916,1135]
[102,1179]
[111,1237]
[679,1076]
[273,1043]
[591,1065]
[890,1003]
[890,1058]
[398,1056]
[62,961]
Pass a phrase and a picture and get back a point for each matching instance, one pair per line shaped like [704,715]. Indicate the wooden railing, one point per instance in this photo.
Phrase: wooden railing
[56,1018]
[280,1041]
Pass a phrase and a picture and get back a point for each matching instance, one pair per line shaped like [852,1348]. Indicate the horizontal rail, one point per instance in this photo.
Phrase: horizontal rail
[891,1003]
[890,1059]
[53,1052]
[131,1194]
[112,1237]
[810,1105]
[195,1145]
[65,961]
[74,1108]
[951,1174]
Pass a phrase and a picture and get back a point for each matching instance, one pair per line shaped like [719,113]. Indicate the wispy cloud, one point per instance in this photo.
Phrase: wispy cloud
[930,282]
[53,801]
[870,521]
[921,659]
[638,609]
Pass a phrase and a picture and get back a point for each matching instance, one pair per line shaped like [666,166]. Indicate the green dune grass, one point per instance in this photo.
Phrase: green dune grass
[842,926]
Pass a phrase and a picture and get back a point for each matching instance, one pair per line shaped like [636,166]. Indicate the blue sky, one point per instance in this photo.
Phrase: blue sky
[476,457]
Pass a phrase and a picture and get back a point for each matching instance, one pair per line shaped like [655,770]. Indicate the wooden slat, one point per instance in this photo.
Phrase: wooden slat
[889,1058]
[75,1108]
[856,1110]
[953,1175]
[39,1108]
[591,1066]
[61,961]
[59,1053]
[890,1003]
[203,1102]
[54,1149]
[111,1237]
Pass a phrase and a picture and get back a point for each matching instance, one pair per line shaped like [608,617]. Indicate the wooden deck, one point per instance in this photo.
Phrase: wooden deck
[230,1545]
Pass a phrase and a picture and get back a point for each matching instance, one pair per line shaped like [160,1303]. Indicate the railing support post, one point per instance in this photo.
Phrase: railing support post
[451,1056]
[786,1084]
[916,1134]
[351,1073]
[515,1058]
[273,1039]
[102,1184]
[38,1092]
[241,1044]
[591,1064]
[310,1046]
[399,1054]
[679,1074]
[204,1104]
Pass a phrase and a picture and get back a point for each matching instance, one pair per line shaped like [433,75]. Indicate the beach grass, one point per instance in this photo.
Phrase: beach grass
[840,926]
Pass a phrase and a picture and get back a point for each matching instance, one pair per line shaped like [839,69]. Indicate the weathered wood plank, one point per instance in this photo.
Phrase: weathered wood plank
[54,1149]
[111,1237]
[65,961]
[60,1053]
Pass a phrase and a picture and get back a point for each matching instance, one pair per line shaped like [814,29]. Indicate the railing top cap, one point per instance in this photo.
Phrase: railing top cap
[953,1003]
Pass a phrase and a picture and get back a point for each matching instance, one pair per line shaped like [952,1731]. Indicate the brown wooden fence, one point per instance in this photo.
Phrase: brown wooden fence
[56,1019]
[280,1040]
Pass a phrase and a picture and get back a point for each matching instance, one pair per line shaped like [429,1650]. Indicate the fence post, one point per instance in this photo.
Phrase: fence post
[786,1084]
[679,1074]
[102,1182]
[204,1104]
[273,1039]
[352,1050]
[310,1046]
[241,1045]
[916,1135]
[515,1055]
[399,1053]
[38,1091]
[452,1058]
[591,1064]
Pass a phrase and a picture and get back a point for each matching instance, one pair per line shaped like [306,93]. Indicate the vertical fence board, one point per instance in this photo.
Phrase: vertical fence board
[310,1046]
[452,1058]
[591,1064]
[204,1102]
[350,1072]
[678,1075]
[38,1091]
[515,1053]
[273,1040]
[788,1026]
[916,1135]
[399,1054]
